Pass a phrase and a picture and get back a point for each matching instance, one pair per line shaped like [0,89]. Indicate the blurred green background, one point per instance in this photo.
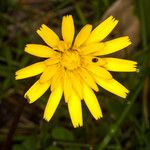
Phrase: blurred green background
[125,125]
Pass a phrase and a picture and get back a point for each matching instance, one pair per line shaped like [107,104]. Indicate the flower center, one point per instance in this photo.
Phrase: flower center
[70,59]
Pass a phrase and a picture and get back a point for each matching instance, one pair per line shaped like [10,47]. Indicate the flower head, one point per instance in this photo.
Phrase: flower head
[75,66]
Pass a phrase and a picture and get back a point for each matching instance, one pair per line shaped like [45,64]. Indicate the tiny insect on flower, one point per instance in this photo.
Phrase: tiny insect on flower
[75,66]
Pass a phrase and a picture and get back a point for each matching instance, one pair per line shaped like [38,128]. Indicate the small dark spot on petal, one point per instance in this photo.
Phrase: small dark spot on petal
[95,60]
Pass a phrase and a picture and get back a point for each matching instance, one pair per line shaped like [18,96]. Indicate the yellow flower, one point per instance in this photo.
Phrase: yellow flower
[74,67]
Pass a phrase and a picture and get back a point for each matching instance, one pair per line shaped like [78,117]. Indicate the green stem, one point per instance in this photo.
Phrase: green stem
[144,30]
[116,126]
[138,87]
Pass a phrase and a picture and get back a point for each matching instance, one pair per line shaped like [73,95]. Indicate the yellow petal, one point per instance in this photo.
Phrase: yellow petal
[48,73]
[36,91]
[57,78]
[120,65]
[82,35]
[53,60]
[31,70]
[88,59]
[39,50]
[91,102]
[114,46]
[99,71]
[53,102]
[102,30]
[76,83]
[113,86]
[68,29]
[67,87]
[84,74]
[62,46]
[48,35]
[91,48]
[75,110]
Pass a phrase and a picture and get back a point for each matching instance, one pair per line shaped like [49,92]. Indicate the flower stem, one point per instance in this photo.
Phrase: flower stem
[144,30]
[13,127]
[115,126]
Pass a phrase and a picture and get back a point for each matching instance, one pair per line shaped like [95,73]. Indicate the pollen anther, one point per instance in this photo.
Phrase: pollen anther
[70,59]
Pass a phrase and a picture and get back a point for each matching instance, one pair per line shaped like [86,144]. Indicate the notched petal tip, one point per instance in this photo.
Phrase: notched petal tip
[46,119]
[127,91]
[99,117]
[26,47]
[67,16]
[41,28]
[78,125]
[17,77]
[114,45]
[128,40]
[136,69]
[38,31]
[48,35]
[135,62]
[114,20]
[68,29]
[28,99]
[17,72]
[125,94]
[102,30]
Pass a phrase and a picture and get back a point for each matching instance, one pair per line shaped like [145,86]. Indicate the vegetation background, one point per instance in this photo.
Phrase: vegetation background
[125,125]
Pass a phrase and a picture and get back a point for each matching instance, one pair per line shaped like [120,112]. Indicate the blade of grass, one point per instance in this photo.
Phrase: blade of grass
[115,126]
[80,13]
[138,87]
[145,30]
[13,127]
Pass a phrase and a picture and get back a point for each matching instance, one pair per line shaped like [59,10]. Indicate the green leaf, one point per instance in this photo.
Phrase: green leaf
[62,134]
[29,144]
